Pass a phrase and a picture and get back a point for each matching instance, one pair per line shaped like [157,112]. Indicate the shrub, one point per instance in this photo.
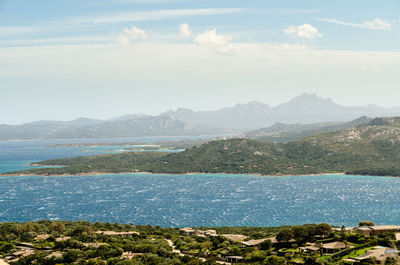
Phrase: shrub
[366,223]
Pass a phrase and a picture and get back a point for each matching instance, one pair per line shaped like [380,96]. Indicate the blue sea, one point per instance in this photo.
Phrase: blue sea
[189,200]
[17,155]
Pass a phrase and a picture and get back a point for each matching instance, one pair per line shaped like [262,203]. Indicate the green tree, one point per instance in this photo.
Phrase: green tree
[266,245]
[323,229]
[300,233]
[257,255]
[366,223]
[57,227]
[390,261]
[311,261]
[285,235]
[71,255]
[342,233]
[275,260]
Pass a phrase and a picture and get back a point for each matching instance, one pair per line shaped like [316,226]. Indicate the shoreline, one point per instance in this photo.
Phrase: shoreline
[178,174]
[174,174]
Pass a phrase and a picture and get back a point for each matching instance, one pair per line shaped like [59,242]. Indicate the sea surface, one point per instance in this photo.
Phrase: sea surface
[190,200]
[17,155]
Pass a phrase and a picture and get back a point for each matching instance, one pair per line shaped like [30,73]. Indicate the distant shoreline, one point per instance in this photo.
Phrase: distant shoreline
[174,174]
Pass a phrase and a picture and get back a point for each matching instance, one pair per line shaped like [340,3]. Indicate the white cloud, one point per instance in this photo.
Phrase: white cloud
[16,30]
[190,73]
[184,31]
[152,15]
[305,31]
[376,24]
[131,34]
[219,42]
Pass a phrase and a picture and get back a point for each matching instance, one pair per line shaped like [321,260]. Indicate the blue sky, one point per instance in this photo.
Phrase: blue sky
[65,59]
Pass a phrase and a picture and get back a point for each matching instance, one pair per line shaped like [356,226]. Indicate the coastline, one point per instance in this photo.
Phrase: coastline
[174,174]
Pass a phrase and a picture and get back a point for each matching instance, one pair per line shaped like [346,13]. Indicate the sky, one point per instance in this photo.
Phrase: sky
[64,59]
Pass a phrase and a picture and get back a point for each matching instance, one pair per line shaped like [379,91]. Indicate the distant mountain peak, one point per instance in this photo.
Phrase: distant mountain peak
[310,98]
[178,111]
[129,117]
[253,106]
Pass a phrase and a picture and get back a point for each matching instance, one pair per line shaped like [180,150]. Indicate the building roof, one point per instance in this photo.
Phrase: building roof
[379,227]
[335,245]
[187,230]
[234,237]
[113,233]
[310,246]
[364,228]
[385,227]
[339,229]
[254,242]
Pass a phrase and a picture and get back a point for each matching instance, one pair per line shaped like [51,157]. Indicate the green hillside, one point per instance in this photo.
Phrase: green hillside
[373,149]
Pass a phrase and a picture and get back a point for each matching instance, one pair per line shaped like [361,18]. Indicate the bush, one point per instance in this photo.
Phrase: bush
[366,223]
[6,247]
[285,235]
[71,255]
[274,260]
[27,236]
[257,255]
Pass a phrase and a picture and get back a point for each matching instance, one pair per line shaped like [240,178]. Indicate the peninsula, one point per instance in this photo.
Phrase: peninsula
[369,149]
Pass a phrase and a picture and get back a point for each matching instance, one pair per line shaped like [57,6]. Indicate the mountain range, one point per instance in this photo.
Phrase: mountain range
[302,110]
[86,128]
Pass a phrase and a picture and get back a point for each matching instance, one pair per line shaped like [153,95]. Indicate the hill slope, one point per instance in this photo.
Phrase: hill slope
[281,133]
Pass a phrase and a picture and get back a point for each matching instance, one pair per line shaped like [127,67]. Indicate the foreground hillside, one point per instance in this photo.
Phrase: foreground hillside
[62,242]
[372,149]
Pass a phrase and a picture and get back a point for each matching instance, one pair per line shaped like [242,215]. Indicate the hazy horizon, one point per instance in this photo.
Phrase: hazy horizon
[101,58]
[199,110]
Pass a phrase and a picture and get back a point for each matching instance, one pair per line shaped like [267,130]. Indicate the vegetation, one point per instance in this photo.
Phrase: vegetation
[64,242]
[366,223]
[372,149]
